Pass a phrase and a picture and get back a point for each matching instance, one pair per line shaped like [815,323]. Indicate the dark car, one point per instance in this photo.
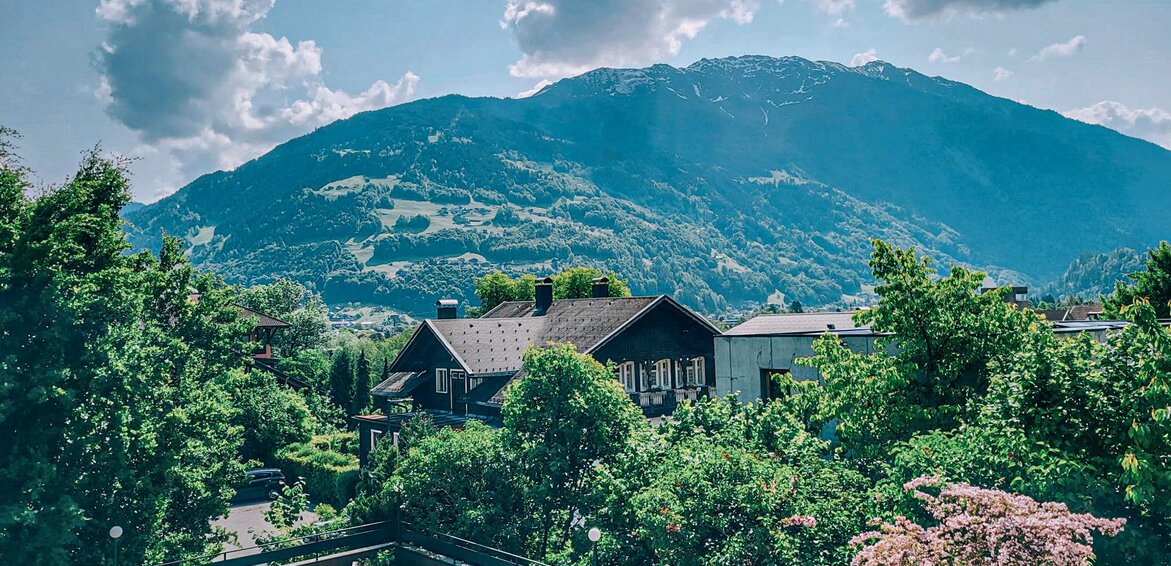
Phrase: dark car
[261,483]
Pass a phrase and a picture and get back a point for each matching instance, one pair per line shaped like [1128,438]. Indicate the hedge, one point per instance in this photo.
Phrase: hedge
[328,465]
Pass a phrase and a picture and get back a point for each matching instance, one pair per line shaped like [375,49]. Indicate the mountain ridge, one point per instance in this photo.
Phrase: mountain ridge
[741,177]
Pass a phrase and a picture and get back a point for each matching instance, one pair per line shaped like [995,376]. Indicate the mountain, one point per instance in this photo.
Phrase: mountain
[722,183]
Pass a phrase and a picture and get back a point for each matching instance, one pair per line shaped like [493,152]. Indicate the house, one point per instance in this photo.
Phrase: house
[451,366]
[748,355]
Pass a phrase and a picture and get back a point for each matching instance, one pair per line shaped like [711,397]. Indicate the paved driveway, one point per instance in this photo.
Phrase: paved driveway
[247,518]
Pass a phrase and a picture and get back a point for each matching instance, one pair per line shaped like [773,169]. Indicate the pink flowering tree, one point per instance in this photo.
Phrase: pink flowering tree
[983,526]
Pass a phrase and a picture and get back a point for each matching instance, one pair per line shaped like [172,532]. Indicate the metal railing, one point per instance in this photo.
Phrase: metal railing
[346,538]
[466,550]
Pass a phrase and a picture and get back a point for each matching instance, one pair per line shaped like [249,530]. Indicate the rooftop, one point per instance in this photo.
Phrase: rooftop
[796,324]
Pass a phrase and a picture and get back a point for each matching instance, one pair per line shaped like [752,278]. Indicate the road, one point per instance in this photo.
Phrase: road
[247,520]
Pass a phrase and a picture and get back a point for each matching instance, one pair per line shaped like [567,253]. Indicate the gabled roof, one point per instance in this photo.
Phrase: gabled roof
[795,324]
[494,344]
[262,320]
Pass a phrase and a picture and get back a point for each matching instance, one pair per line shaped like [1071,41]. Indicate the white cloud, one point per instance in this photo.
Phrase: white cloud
[938,56]
[835,7]
[203,89]
[1151,124]
[913,10]
[864,57]
[1061,49]
[536,88]
[1012,52]
[560,38]
[1001,74]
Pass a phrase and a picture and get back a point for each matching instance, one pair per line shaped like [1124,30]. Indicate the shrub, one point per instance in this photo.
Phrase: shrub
[327,464]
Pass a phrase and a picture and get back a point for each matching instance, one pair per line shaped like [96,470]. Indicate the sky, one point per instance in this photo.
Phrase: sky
[187,87]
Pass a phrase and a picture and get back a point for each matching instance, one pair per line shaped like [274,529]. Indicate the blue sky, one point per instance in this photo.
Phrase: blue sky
[190,86]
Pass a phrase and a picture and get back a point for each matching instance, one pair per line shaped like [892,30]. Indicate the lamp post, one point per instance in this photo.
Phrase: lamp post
[595,535]
[115,534]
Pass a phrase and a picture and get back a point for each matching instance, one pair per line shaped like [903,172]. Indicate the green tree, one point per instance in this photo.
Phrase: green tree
[945,334]
[577,283]
[271,416]
[567,415]
[1152,284]
[115,389]
[570,283]
[293,303]
[796,306]
[363,382]
[341,378]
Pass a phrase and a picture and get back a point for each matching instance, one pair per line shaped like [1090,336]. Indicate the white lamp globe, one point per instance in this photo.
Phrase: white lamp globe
[115,531]
[595,534]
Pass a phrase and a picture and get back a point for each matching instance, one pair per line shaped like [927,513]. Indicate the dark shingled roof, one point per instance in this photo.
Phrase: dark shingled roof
[494,344]
[262,320]
[794,324]
[399,384]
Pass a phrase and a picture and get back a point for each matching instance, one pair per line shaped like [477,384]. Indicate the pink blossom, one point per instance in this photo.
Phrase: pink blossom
[984,526]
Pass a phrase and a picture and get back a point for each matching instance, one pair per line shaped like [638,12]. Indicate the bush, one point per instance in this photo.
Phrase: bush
[328,465]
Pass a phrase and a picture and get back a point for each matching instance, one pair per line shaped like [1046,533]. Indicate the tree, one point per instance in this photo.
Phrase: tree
[796,306]
[946,335]
[271,416]
[567,415]
[461,483]
[363,383]
[577,283]
[570,283]
[1152,284]
[115,389]
[341,378]
[979,526]
[293,303]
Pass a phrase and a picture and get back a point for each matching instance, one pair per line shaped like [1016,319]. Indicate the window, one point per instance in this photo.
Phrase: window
[695,372]
[474,382]
[626,371]
[771,383]
[661,374]
[442,384]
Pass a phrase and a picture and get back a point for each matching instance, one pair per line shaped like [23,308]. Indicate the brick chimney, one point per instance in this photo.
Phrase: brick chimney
[446,309]
[544,296]
[600,288]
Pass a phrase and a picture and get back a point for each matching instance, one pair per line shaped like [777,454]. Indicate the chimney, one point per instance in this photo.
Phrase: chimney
[544,296]
[600,288]
[446,309]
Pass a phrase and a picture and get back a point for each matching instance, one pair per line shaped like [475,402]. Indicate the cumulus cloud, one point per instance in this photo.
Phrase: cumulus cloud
[913,10]
[1061,49]
[938,56]
[559,38]
[204,90]
[864,57]
[1152,124]
[1001,74]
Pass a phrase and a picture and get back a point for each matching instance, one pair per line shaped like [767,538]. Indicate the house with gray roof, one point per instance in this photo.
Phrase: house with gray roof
[662,352]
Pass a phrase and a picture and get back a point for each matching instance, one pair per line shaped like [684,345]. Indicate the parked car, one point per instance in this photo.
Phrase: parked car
[261,483]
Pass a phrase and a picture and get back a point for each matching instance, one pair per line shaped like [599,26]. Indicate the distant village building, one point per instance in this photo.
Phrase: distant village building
[459,368]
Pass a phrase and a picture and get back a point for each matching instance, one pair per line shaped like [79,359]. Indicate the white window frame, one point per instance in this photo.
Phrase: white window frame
[442,381]
[640,367]
[474,382]
[696,371]
[626,375]
[662,374]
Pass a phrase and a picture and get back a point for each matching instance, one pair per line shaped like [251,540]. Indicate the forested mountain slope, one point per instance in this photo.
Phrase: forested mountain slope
[721,183]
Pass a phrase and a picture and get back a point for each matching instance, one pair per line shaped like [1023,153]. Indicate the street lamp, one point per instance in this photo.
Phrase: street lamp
[595,534]
[115,533]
